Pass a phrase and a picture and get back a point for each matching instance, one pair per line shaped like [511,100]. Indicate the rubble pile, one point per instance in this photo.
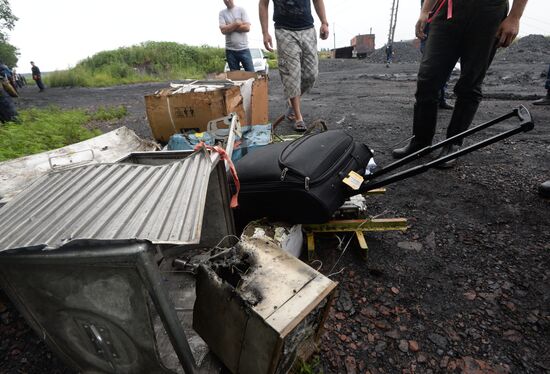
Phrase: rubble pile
[530,49]
[405,52]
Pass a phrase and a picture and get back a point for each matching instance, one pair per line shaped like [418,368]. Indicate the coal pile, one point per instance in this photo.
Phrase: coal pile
[530,49]
[405,52]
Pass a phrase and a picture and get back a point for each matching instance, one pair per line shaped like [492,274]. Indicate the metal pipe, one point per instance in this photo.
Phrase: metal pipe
[153,281]
[428,149]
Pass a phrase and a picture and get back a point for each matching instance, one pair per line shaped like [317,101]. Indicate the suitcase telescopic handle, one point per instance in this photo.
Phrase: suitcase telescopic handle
[526,124]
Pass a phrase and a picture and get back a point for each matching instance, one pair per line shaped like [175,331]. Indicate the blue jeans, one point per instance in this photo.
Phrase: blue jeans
[243,57]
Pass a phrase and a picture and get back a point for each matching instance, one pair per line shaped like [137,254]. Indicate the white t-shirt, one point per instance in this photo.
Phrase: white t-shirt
[235,41]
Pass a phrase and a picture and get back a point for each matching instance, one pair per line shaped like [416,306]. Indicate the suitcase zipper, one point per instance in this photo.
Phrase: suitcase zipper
[325,175]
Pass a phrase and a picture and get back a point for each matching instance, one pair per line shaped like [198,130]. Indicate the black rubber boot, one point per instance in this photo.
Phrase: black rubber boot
[463,115]
[413,146]
[447,150]
[424,122]
[544,189]
[445,105]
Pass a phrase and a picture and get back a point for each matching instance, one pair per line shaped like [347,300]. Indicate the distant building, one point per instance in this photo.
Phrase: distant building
[363,45]
[344,52]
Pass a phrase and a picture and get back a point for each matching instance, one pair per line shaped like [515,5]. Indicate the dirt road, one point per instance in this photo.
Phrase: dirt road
[466,287]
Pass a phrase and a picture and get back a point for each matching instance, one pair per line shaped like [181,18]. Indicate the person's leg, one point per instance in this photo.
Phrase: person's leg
[246,60]
[40,84]
[545,100]
[289,60]
[477,49]
[309,60]
[438,60]
[232,59]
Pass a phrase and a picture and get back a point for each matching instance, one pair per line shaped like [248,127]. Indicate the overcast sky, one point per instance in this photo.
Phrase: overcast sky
[56,34]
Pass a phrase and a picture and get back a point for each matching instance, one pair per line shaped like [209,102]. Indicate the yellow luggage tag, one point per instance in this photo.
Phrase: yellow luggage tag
[353,180]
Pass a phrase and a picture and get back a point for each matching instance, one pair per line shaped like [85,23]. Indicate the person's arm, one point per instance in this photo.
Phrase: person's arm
[423,19]
[321,13]
[264,22]
[245,22]
[509,28]
[228,28]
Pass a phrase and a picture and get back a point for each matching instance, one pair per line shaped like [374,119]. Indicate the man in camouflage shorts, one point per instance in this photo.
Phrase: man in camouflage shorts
[296,48]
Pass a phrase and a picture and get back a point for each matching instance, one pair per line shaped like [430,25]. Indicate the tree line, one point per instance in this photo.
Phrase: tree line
[8,53]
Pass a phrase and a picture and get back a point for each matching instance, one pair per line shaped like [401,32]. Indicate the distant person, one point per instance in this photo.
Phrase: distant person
[7,80]
[235,24]
[545,100]
[13,79]
[443,104]
[469,30]
[296,48]
[37,76]
[389,55]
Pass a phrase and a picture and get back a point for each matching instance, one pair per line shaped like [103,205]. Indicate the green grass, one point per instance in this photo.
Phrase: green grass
[40,130]
[109,114]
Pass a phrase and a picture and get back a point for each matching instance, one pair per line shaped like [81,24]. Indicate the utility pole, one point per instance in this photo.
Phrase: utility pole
[393,21]
[334,34]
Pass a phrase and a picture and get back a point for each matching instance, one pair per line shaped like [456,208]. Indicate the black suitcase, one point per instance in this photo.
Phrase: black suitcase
[302,181]
[299,181]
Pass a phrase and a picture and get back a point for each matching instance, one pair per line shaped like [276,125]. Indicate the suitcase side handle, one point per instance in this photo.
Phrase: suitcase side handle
[526,124]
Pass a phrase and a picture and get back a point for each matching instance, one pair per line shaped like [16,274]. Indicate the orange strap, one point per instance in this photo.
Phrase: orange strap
[223,155]
[439,6]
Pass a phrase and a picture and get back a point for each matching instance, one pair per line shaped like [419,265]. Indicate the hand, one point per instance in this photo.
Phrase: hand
[507,31]
[268,42]
[421,25]
[323,31]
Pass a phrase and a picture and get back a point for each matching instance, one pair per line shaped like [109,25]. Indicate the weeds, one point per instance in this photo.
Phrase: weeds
[109,114]
[313,366]
[40,130]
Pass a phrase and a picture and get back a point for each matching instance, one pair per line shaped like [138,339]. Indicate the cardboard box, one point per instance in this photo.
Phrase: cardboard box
[171,113]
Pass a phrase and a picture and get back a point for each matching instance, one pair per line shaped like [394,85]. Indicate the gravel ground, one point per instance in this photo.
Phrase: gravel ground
[466,288]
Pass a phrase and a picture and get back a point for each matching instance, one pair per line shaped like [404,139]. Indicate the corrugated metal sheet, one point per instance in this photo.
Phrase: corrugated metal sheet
[163,204]
[17,174]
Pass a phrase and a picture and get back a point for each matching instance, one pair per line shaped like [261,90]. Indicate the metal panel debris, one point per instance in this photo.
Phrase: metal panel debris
[16,174]
[163,204]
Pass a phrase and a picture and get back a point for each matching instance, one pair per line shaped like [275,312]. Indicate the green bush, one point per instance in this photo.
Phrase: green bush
[146,62]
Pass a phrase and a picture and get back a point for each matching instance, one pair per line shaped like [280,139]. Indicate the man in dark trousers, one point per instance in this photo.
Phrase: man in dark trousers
[37,76]
[296,48]
[469,30]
